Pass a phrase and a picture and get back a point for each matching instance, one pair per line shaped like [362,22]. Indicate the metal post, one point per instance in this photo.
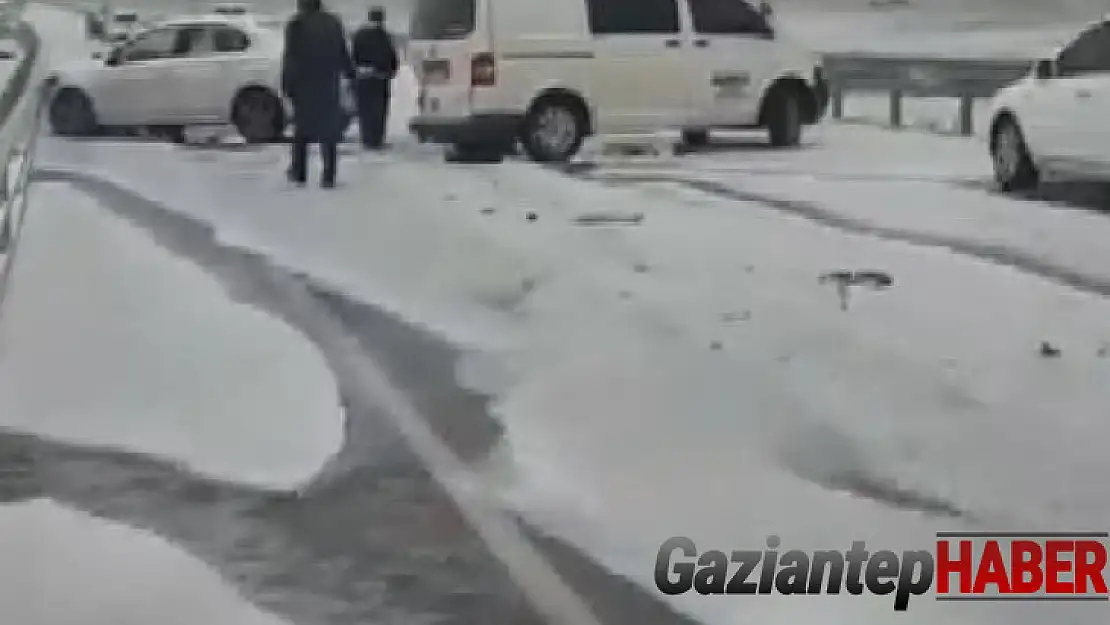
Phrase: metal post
[967,115]
[896,109]
[838,103]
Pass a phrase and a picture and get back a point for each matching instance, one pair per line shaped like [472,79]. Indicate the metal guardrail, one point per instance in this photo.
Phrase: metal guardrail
[900,77]
[21,107]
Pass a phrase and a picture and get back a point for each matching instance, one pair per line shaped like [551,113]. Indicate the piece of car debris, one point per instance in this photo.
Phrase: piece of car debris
[531,216]
[1048,350]
[593,219]
[487,210]
[873,279]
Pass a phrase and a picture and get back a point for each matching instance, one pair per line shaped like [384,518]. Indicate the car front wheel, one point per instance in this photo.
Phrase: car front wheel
[1013,165]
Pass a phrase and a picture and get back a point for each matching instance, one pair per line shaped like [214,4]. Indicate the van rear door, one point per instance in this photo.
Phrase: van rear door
[448,44]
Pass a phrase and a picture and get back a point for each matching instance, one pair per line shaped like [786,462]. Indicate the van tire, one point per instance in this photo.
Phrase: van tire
[570,110]
[784,117]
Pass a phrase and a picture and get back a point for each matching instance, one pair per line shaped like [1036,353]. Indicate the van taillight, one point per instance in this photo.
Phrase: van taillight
[483,70]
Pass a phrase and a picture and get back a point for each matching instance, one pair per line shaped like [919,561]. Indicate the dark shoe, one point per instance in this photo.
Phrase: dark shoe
[327,184]
[294,178]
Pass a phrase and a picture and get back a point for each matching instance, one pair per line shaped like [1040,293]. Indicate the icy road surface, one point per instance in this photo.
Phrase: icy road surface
[694,362]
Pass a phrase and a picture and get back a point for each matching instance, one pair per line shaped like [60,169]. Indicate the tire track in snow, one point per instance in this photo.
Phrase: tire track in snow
[382,471]
[1003,255]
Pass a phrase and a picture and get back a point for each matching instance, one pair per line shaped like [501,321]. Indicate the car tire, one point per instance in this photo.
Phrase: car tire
[554,129]
[258,116]
[1010,158]
[72,114]
[784,118]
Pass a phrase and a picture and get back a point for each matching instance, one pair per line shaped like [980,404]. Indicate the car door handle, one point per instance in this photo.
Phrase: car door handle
[701,43]
[672,43]
[1082,94]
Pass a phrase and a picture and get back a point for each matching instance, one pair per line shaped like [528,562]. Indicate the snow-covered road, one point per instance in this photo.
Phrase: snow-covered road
[687,374]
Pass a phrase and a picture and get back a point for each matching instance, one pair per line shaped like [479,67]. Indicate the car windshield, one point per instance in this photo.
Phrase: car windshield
[442,19]
[127,18]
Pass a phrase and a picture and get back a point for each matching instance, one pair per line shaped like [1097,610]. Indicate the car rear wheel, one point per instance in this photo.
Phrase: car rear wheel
[784,118]
[554,130]
[1013,165]
[258,116]
[72,114]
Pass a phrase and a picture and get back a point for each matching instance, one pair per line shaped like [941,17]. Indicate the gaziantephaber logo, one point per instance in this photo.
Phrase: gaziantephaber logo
[966,566]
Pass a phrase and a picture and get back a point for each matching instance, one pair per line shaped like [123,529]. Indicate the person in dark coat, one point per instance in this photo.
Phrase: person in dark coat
[376,63]
[313,65]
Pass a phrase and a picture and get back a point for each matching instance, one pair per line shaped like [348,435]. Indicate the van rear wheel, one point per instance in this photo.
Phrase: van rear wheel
[554,130]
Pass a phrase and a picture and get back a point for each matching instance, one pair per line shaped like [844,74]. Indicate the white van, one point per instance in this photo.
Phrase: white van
[551,72]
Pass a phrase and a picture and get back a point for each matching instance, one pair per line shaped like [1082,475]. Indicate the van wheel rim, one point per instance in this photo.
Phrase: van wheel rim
[555,130]
[1007,153]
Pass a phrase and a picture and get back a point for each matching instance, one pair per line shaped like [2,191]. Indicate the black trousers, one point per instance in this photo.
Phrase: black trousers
[372,95]
[298,162]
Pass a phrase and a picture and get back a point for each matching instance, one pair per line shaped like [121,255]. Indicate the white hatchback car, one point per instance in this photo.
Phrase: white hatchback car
[1054,121]
[213,69]
[550,72]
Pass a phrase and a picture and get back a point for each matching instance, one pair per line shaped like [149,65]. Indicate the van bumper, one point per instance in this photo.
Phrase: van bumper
[486,129]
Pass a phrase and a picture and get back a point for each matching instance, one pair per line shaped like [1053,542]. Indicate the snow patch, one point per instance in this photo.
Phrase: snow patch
[109,340]
[61,567]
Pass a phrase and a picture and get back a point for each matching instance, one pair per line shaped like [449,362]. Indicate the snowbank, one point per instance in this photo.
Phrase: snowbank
[61,567]
[109,340]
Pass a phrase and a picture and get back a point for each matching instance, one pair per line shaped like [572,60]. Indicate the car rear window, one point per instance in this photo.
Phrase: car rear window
[127,18]
[443,19]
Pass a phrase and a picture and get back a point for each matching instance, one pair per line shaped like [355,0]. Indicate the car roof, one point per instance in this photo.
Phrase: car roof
[245,22]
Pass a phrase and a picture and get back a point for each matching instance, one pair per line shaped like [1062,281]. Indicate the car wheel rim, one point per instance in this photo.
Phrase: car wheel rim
[1007,153]
[555,130]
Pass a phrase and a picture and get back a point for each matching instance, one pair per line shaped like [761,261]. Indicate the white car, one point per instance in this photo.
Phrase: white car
[1054,121]
[551,72]
[186,71]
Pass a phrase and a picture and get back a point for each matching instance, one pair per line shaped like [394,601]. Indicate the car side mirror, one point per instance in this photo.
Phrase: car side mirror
[1044,69]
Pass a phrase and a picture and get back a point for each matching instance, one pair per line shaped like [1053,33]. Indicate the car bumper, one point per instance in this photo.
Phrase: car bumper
[498,128]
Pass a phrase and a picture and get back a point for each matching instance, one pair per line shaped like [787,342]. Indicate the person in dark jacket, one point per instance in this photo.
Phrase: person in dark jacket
[313,65]
[376,64]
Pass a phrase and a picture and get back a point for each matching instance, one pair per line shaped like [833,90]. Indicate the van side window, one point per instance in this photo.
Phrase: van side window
[1088,54]
[632,17]
[726,17]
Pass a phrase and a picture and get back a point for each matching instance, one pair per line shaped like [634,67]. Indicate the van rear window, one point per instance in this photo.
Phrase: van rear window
[443,19]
